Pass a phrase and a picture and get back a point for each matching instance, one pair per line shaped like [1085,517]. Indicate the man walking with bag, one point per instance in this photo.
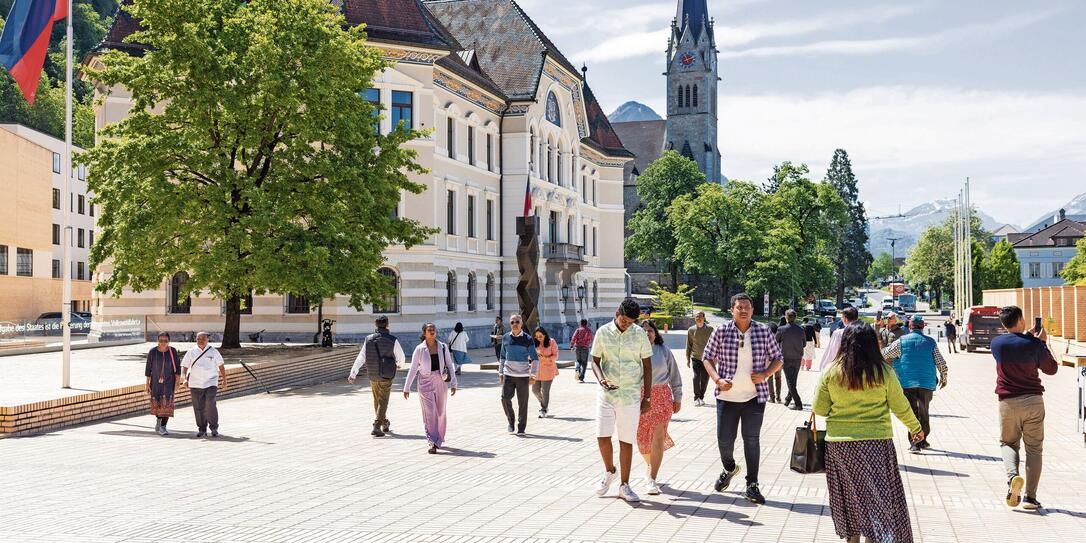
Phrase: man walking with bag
[382,355]
[920,366]
[1019,356]
[204,371]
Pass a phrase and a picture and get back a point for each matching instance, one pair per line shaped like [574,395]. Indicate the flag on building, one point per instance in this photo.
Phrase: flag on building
[528,198]
[25,40]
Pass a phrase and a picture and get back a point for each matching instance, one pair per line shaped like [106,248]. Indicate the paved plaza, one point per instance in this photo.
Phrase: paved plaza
[300,466]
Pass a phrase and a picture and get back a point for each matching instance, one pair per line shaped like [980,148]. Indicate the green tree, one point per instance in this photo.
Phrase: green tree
[881,268]
[850,255]
[718,230]
[931,261]
[673,304]
[1002,269]
[667,178]
[249,159]
[1075,270]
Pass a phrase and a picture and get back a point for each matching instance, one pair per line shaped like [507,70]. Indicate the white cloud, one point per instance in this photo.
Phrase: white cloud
[924,42]
[913,144]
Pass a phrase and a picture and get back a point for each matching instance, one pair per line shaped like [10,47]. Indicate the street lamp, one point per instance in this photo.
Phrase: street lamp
[580,292]
[565,293]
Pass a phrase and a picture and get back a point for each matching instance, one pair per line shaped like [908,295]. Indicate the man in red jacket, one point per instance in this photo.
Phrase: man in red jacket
[1019,356]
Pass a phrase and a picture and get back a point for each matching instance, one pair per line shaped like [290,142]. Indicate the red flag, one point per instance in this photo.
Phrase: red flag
[528,198]
[25,40]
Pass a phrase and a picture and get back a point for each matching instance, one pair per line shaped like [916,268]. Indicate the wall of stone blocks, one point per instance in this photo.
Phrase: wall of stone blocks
[305,369]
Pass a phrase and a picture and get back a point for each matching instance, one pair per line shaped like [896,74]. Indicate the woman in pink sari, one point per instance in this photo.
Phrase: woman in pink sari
[431,363]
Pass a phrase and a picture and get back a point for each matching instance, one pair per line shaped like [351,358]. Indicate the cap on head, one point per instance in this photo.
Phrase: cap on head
[917,321]
[891,315]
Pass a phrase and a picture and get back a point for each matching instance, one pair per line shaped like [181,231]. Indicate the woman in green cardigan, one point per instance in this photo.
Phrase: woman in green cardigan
[856,395]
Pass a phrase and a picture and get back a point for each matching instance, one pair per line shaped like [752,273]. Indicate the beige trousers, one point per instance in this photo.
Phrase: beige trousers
[1022,419]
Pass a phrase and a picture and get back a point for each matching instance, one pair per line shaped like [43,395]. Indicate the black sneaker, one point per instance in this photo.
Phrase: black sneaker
[925,445]
[201,433]
[521,432]
[385,427]
[214,433]
[1014,490]
[1029,503]
[725,479]
[914,448]
[510,429]
[754,495]
[377,431]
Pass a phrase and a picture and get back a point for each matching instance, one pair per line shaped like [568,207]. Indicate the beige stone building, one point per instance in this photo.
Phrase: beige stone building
[31,230]
[509,114]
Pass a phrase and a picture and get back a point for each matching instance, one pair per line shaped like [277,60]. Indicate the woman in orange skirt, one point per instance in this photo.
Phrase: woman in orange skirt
[667,395]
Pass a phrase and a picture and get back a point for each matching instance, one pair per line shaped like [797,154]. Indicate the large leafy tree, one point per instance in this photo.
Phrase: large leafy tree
[850,255]
[1002,269]
[931,261]
[249,158]
[881,268]
[718,230]
[1075,270]
[667,178]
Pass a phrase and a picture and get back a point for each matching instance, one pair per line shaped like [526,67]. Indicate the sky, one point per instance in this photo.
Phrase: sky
[921,93]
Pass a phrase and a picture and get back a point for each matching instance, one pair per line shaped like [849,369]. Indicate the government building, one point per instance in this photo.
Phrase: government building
[508,114]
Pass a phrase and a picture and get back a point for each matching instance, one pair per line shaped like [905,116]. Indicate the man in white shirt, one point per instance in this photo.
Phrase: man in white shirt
[382,355]
[204,371]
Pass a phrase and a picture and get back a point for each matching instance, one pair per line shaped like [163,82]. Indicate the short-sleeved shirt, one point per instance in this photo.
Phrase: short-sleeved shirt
[203,370]
[723,350]
[620,355]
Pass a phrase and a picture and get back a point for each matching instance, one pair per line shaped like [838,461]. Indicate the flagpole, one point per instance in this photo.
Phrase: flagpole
[66,312]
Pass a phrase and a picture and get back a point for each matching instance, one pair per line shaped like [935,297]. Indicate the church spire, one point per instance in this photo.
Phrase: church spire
[695,14]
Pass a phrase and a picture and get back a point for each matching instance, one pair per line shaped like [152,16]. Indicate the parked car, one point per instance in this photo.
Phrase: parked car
[825,308]
[888,304]
[981,326]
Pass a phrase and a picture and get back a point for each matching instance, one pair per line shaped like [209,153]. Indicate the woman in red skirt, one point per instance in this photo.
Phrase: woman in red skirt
[667,395]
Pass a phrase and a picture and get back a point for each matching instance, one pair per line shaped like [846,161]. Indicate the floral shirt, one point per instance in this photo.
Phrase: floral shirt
[620,355]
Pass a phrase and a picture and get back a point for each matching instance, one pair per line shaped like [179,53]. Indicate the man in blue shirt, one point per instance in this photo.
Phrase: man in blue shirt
[916,359]
[518,366]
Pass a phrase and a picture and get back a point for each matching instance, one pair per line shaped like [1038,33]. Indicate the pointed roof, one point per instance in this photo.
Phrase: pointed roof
[694,12]
[1066,228]
[601,135]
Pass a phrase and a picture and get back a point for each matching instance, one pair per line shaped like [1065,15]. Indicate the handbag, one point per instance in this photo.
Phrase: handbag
[386,367]
[809,448]
[445,374]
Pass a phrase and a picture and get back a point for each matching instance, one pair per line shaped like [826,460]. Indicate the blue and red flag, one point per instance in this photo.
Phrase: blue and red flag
[25,40]
[528,198]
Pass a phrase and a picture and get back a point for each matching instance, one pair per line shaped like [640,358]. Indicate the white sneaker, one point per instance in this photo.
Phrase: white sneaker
[605,483]
[654,488]
[627,493]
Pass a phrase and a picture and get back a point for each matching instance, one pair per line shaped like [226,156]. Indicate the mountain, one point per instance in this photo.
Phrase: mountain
[910,227]
[1075,210]
[633,111]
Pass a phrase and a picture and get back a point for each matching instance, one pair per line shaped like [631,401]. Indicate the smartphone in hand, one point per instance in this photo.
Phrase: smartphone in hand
[1037,325]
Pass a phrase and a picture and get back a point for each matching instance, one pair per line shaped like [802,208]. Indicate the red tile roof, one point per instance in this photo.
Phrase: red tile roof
[601,135]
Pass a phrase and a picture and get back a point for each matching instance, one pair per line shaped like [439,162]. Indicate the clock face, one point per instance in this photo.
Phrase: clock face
[686,60]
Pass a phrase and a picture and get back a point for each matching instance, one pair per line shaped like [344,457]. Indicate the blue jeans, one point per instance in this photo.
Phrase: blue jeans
[729,415]
[582,362]
[461,358]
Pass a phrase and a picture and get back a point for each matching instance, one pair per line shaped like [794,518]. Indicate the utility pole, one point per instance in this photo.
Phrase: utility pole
[893,254]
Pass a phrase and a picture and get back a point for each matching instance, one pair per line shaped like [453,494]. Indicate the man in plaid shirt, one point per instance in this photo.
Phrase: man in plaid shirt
[739,358]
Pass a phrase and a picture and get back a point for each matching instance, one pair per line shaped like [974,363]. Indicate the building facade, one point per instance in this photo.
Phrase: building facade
[1044,254]
[31,236]
[509,114]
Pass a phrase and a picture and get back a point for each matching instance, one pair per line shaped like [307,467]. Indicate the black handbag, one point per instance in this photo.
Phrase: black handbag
[809,448]
[446,375]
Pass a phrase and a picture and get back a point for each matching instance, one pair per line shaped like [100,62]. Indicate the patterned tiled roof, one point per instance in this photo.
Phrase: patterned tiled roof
[404,21]
[123,25]
[509,46]
[601,135]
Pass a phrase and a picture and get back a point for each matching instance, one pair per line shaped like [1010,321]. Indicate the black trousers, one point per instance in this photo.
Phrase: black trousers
[791,376]
[497,350]
[701,378]
[919,399]
[774,383]
[518,386]
[205,408]
[729,416]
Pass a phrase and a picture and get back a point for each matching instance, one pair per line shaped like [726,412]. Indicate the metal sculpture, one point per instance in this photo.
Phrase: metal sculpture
[528,262]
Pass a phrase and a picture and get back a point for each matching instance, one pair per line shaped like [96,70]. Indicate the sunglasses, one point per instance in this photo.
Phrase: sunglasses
[163,341]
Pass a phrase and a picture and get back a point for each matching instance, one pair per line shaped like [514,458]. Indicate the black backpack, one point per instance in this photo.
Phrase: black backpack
[386,365]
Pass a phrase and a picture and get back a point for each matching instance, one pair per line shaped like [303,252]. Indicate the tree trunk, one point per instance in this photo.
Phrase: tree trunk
[840,291]
[725,290]
[231,334]
[674,276]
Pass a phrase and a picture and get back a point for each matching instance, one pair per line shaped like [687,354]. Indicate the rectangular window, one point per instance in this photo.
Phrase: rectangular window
[91,206]
[81,204]
[80,270]
[594,201]
[450,212]
[489,152]
[24,262]
[403,109]
[471,216]
[490,220]
[584,237]
[71,203]
[56,162]
[297,305]
[584,189]
[3,259]
[82,172]
[373,96]
[595,243]
[56,234]
[56,198]
[56,269]
[1057,268]
[471,145]
[79,238]
[1034,270]
[90,238]
[450,137]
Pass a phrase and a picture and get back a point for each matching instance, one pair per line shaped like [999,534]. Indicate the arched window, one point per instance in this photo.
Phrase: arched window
[450,291]
[471,291]
[595,294]
[389,303]
[177,284]
[679,97]
[490,294]
[688,96]
[550,152]
[695,96]
[558,170]
[531,147]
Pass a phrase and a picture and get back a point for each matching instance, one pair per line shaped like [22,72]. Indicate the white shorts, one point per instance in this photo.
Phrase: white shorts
[624,418]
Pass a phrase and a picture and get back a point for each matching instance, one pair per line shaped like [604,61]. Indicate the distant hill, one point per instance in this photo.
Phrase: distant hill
[1075,210]
[633,111]
[910,227]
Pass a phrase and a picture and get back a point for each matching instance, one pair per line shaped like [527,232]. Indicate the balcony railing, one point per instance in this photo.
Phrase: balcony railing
[563,251]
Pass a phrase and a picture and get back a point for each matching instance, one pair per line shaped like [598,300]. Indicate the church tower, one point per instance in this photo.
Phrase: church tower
[691,88]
